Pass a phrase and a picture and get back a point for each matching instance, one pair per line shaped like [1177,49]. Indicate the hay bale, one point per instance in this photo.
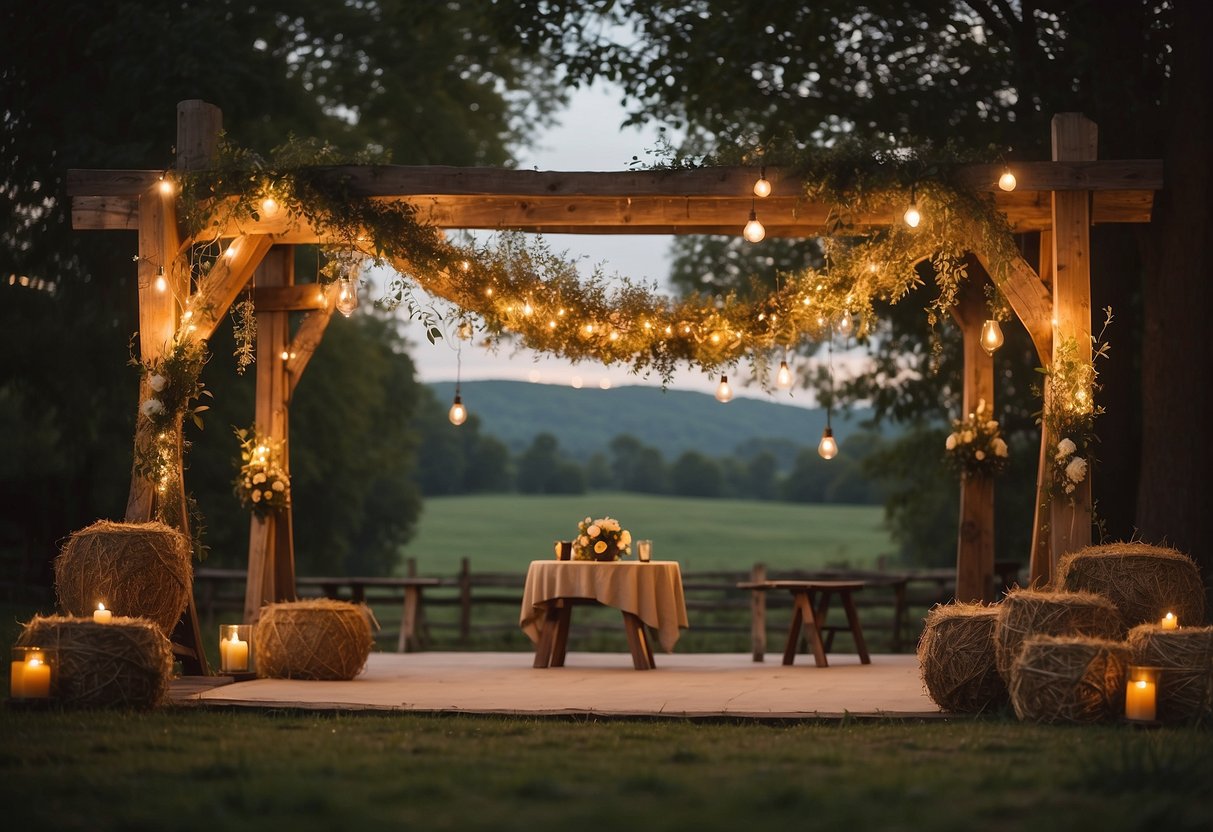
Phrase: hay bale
[956,657]
[1069,679]
[1144,582]
[317,639]
[1185,685]
[1027,612]
[124,664]
[136,569]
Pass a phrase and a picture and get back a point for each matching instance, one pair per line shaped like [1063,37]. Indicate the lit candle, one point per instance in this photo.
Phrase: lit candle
[1139,700]
[101,615]
[233,653]
[1169,622]
[31,678]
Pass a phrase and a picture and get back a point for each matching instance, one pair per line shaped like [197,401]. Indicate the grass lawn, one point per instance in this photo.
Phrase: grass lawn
[234,770]
[505,532]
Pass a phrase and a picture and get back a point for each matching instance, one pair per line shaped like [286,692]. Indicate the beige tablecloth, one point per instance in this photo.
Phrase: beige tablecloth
[650,591]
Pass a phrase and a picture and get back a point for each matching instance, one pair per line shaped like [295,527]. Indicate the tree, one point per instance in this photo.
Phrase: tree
[636,466]
[543,469]
[695,475]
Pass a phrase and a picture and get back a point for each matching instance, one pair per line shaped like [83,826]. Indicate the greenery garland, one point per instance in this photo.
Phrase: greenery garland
[520,287]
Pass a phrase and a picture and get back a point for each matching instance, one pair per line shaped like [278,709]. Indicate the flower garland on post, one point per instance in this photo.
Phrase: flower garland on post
[262,483]
[975,446]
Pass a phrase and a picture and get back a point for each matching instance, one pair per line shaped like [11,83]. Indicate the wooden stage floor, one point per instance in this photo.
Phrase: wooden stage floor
[704,685]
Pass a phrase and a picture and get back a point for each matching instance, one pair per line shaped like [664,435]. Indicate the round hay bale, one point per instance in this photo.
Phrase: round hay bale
[956,657]
[124,664]
[1069,679]
[1144,582]
[318,639]
[1027,612]
[136,569]
[1185,656]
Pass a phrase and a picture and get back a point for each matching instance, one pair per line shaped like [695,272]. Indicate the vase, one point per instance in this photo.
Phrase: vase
[609,554]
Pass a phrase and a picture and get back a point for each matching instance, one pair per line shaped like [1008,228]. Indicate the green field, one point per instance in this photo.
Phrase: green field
[505,532]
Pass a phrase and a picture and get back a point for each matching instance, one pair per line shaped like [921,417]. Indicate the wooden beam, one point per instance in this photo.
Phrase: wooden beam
[1039,560]
[199,126]
[1074,138]
[307,338]
[289,298]
[223,283]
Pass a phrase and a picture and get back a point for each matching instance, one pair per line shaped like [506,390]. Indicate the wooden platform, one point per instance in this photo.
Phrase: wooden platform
[603,684]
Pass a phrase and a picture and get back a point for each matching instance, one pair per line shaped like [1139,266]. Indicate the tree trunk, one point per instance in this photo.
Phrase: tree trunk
[1177,451]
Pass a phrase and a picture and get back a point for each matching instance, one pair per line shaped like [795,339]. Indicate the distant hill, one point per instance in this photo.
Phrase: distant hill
[673,421]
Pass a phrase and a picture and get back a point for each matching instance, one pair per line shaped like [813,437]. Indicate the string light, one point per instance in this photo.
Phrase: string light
[762,188]
[347,297]
[911,216]
[1007,180]
[754,230]
[827,448]
[161,283]
[724,392]
[844,324]
[166,185]
[269,206]
[991,336]
[783,378]
[458,414]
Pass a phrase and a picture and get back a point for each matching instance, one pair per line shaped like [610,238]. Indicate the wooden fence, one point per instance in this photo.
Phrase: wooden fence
[457,610]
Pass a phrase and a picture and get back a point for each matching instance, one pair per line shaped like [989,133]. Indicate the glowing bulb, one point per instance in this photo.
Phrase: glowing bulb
[724,393]
[589,329]
[715,337]
[527,309]
[551,324]
[844,325]
[827,448]
[669,330]
[783,378]
[347,297]
[488,293]
[911,216]
[269,206]
[991,336]
[166,186]
[753,231]
[465,265]
[614,335]
[458,413]
[1007,180]
[762,188]
[161,284]
[230,252]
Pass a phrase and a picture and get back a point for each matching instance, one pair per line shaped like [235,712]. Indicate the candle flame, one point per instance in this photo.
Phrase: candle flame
[101,607]
[34,662]
[234,637]
[1141,684]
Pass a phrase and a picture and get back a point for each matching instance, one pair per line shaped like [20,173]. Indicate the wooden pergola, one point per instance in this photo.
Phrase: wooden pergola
[1060,199]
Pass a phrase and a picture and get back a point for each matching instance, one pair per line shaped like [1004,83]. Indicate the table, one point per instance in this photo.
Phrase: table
[646,593]
[812,616]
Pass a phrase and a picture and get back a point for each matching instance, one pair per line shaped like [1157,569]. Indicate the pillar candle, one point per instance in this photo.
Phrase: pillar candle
[233,654]
[1169,622]
[31,678]
[1139,700]
[101,615]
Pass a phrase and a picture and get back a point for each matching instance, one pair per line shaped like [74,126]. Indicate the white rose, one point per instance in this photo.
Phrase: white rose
[593,531]
[966,436]
[1000,447]
[992,426]
[950,442]
[587,521]
[157,382]
[269,495]
[278,486]
[981,405]
[258,479]
[626,537]
[1069,488]
[979,455]
[1077,469]
[1064,448]
[609,523]
[256,496]
[583,540]
[151,407]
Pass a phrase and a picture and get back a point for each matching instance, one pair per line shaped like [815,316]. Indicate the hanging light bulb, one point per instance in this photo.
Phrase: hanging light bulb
[783,378]
[161,283]
[991,336]
[458,414]
[762,188]
[347,297]
[827,448]
[724,392]
[844,324]
[911,216]
[1007,180]
[269,206]
[753,231]
[166,185]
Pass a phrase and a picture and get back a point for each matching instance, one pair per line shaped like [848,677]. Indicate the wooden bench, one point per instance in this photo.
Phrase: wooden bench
[811,616]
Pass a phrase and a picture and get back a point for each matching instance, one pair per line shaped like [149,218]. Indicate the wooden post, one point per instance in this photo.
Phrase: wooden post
[758,613]
[1040,568]
[1075,139]
[465,600]
[975,541]
[271,565]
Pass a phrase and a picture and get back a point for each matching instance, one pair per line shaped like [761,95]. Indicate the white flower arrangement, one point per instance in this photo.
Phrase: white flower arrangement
[1069,469]
[603,539]
[262,483]
[975,445]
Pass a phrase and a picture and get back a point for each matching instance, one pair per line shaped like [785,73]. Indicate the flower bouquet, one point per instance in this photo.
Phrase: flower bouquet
[263,483]
[975,445]
[601,539]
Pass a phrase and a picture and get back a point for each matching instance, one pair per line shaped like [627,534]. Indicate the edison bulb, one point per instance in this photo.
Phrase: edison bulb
[827,448]
[458,413]
[269,206]
[347,297]
[166,185]
[844,324]
[762,188]
[754,230]
[161,284]
[991,336]
[724,392]
[783,378]
[911,216]
[1007,181]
